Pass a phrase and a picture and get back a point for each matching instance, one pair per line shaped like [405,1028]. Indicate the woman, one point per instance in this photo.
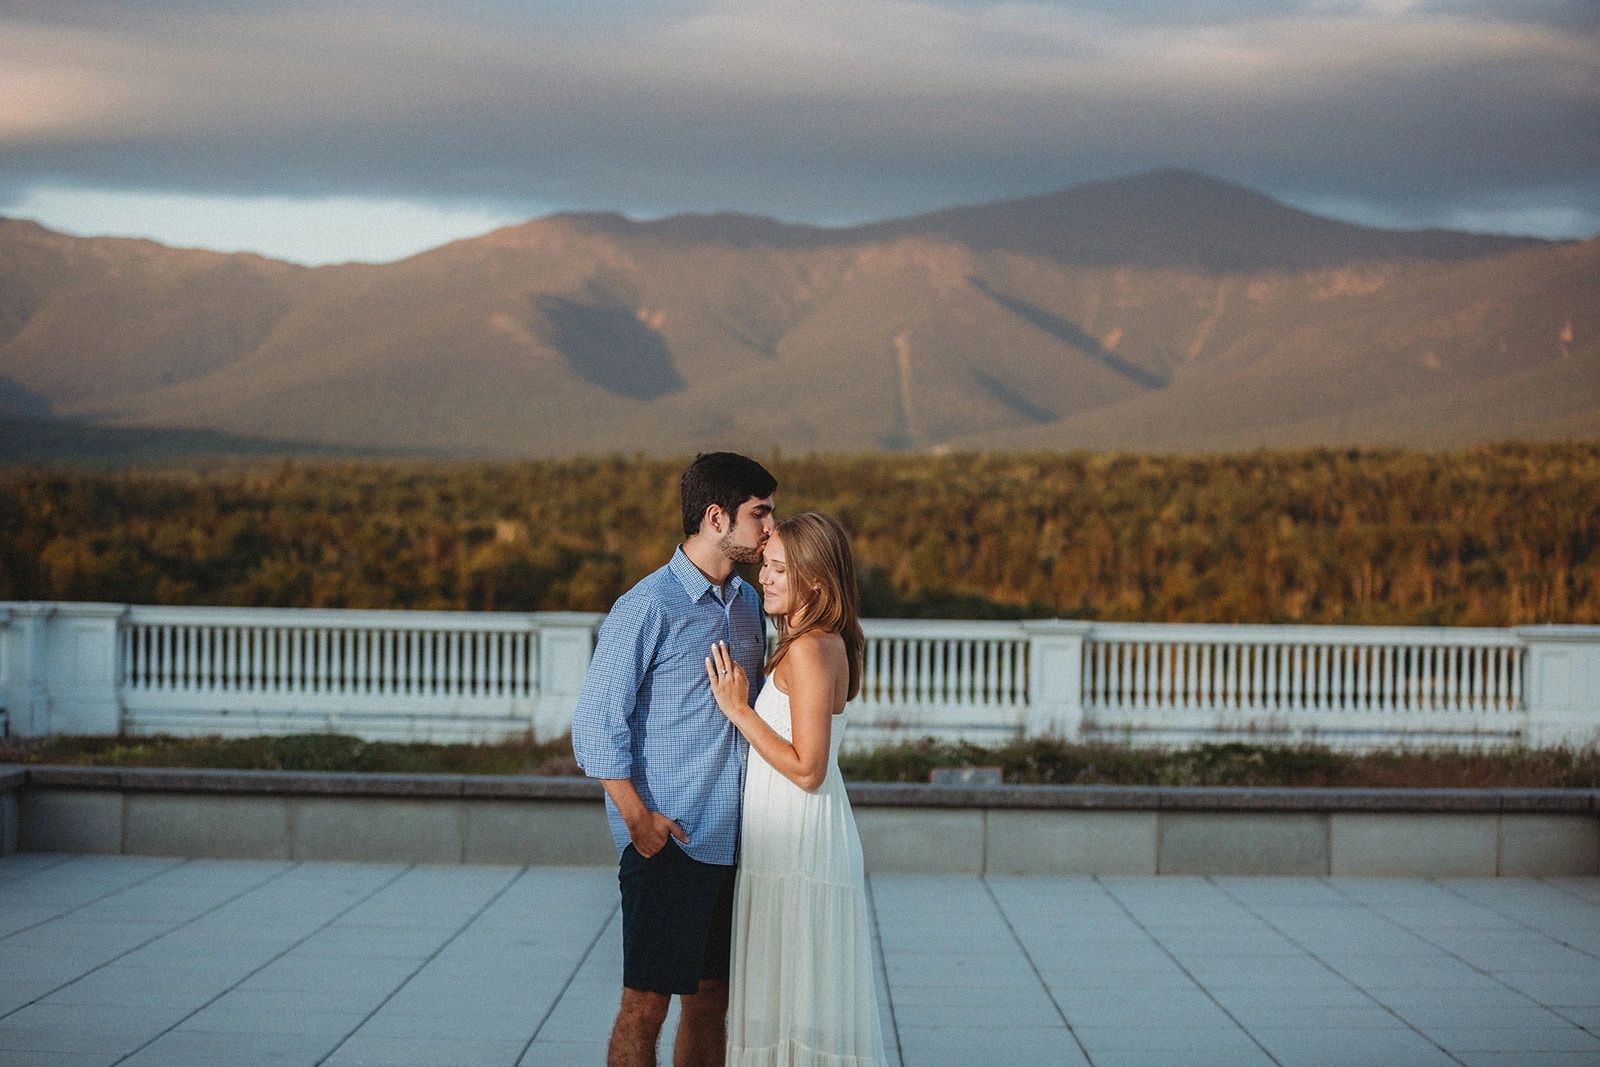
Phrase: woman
[802,989]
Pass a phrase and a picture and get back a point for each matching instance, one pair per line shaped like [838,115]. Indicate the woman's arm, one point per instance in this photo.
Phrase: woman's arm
[809,677]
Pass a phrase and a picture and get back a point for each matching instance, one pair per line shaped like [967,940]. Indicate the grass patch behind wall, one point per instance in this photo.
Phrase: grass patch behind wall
[1038,761]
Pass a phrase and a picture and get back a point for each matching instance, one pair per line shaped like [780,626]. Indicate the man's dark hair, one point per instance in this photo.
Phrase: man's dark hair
[724,478]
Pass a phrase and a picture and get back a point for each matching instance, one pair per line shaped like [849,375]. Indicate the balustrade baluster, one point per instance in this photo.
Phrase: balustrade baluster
[912,682]
[987,650]
[1388,692]
[492,682]
[332,663]
[1285,696]
[383,652]
[1186,663]
[250,654]
[1128,652]
[1274,696]
[186,658]
[1255,654]
[1172,656]
[458,664]
[139,660]
[199,667]
[1299,676]
[1338,676]
[1518,703]
[269,659]
[1365,678]
[1480,681]
[477,653]
[1413,669]
[1138,686]
[1497,679]
[410,643]
[1452,664]
[1008,693]
[1425,678]
[324,654]
[437,666]
[1161,673]
[1226,676]
[902,671]
[1324,677]
[1102,673]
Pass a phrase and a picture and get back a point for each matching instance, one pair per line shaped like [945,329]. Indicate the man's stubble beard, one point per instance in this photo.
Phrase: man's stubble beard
[736,552]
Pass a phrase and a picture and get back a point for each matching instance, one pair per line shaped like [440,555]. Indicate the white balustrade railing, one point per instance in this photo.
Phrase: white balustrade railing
[968,680]
[108,668]
[353,653]
[1328,681]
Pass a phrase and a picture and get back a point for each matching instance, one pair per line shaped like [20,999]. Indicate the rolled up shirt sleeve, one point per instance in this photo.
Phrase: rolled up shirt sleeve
[602,738]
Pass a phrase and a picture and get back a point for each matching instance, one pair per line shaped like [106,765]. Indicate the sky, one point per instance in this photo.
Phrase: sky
[327,130]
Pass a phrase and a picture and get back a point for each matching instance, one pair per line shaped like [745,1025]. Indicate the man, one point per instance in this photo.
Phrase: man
[672,765]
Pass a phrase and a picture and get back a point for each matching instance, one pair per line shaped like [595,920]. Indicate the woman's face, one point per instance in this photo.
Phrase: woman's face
[774,578]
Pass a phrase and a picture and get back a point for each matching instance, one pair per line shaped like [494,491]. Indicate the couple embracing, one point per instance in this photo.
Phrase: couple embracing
[741,877]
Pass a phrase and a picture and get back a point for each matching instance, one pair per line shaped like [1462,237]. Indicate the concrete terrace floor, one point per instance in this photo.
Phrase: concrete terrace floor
[140,960]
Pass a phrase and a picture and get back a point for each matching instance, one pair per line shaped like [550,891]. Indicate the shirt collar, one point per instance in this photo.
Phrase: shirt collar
[694,583]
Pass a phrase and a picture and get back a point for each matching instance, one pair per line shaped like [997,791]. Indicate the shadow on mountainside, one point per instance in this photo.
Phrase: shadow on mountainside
[606,345]
[1070,333]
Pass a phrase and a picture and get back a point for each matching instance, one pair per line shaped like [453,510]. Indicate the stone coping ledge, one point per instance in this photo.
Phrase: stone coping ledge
[863,794]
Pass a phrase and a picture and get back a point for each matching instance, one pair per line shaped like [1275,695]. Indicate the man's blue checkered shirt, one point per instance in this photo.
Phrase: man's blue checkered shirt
[646,711]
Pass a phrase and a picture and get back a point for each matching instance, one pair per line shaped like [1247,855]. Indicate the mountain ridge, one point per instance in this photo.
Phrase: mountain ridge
[1159,311]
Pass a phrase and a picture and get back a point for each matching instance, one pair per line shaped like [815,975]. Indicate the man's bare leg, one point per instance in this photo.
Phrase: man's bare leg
[637,1029]
[703,1027]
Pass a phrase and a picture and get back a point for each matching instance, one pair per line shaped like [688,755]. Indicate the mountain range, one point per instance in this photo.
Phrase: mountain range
[1167,311]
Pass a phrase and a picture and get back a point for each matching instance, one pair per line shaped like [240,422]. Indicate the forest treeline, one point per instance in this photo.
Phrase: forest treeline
[1488,536]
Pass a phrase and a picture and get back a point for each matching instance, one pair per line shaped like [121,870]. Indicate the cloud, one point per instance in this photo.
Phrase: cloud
[829,110]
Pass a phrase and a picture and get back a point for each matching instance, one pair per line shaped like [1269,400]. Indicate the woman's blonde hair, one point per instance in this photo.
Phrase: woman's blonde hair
[819,563]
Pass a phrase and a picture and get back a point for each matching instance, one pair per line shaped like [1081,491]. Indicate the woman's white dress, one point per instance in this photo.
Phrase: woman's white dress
[802,991]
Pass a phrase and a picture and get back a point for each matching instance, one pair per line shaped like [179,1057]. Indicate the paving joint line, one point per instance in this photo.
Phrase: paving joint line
[883,972]
[1453,891]
[1034,967]
[495,896]
[1573,893]
[290,869]
[577,968]
[65,858]
[1590,1030]
[149,941]
[90,903]
[1331,968]
[1176,962]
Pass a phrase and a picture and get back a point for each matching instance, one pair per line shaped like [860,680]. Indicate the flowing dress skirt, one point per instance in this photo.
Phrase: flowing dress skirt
[802,990]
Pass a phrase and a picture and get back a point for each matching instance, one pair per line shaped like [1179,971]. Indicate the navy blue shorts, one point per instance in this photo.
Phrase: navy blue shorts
[677,920]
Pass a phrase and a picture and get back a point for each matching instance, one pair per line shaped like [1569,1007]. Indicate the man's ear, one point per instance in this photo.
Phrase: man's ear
[714,518]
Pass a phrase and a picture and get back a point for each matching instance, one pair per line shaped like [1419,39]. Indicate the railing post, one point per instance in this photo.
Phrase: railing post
[1055,677]
[61,673]
[1562,684]
[566,644]
[27,695]
[81,668]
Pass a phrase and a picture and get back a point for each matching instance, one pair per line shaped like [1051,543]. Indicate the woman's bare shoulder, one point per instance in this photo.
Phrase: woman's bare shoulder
[817,646]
